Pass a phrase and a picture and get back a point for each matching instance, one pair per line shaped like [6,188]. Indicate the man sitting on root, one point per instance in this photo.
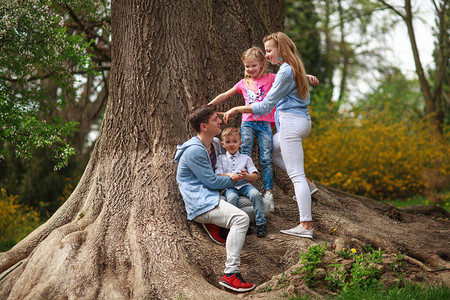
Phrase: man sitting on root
[200,186]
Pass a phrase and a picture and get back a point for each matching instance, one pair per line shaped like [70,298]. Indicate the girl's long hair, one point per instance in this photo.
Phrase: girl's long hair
[288,52]
[258,54]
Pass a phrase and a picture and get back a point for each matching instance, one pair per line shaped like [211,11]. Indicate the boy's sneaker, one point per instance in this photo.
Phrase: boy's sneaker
[235,282]
[261,230]
[299,231]
[250,229]
[268,204]
[214,233]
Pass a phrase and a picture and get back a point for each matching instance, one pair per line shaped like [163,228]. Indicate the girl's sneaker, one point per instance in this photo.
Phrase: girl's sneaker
[268,204]
[312,188]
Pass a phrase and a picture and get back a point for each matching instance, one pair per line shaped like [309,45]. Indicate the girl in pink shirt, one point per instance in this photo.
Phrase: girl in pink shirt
[254,87]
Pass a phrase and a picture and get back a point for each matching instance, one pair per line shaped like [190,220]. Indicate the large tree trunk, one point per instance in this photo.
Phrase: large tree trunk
[123,233]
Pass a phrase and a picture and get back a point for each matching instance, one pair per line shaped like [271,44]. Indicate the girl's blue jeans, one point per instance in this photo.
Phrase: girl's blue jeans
[263,131]
[252,193]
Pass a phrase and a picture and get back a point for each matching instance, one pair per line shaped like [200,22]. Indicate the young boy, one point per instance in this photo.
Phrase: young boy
[234,162]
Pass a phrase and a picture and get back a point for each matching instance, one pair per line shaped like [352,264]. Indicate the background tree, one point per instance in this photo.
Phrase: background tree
[64,93]
[29,58]
[432,89]
[91,21]
[335,39]
[302,24]
[396,96]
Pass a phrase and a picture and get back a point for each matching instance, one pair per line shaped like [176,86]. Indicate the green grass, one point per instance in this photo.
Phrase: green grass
[408,292]
[422,200]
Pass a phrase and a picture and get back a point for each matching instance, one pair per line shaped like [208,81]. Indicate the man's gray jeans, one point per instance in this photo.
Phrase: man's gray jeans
[229,216]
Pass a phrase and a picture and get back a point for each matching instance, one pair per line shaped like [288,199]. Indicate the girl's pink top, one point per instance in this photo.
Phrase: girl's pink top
[256,93]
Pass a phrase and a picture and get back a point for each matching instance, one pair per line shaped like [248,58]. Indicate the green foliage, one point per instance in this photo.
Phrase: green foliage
[16,220]
[336,277]
[421,200]
[344,253]
[394,95]
[282,282]
[365,273]
[36,50]
[410,291]
[301,26]
[375,155]
[360,271]
[36,183]
[50,48]
[397,265]
[368,248]
[310,261]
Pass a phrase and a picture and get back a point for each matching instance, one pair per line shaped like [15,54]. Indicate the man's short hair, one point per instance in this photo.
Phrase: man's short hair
[229,131]
[199,115]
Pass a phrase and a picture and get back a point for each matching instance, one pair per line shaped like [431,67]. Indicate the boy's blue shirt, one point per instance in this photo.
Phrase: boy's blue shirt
[284,95]
[198,183]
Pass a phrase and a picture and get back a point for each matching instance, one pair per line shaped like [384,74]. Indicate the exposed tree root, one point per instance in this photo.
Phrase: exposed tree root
[136,249]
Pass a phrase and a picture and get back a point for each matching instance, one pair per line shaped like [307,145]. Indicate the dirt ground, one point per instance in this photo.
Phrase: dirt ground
[341,221]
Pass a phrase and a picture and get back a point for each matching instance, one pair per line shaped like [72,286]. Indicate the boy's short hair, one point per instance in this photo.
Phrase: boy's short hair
[199,115]
[229,131]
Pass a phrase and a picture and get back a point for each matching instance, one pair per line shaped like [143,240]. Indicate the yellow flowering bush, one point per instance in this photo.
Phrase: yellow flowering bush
[16,220]
[375,156]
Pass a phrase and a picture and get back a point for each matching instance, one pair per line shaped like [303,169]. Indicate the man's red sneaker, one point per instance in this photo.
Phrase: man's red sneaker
[235,282]
[214,233]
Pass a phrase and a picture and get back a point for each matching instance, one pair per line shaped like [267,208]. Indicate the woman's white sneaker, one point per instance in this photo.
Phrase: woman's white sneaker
[299,231]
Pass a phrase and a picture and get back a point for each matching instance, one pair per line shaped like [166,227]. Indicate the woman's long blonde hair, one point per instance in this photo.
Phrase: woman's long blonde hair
[288,52]
[258,54]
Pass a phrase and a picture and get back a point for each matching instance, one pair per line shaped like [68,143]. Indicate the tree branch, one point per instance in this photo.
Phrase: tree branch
[90,34]
[50,74]
[393,9]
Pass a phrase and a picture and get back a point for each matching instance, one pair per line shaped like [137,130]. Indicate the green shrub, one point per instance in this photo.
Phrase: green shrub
[365,273]
[375,155]
[16,220]
[310,261]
